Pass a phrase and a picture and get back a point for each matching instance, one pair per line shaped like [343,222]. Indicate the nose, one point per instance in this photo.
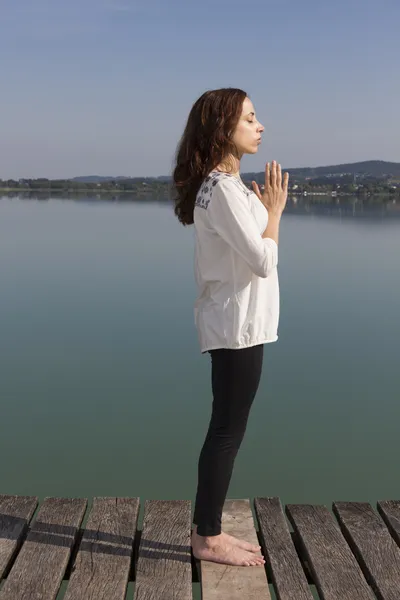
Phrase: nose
[261,127]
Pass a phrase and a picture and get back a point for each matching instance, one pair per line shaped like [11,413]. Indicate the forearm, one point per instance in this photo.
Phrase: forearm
[272,230]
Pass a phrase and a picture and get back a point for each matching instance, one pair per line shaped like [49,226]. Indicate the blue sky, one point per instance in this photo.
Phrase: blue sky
[105,86]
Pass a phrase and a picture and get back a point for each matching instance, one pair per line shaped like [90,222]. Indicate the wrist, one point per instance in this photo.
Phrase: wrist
[274,212]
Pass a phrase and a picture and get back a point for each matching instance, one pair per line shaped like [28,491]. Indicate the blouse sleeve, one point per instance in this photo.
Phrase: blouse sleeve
[230,215]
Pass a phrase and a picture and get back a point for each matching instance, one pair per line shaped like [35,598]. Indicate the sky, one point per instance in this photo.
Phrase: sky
[104,87]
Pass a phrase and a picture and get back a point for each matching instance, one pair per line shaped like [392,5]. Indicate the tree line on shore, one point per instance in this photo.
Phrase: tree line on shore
[159,187]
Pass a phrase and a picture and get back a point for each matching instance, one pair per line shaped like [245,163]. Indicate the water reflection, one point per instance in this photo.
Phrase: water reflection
[342,207]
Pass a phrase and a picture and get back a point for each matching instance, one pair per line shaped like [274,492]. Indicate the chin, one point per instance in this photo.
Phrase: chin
[253,149]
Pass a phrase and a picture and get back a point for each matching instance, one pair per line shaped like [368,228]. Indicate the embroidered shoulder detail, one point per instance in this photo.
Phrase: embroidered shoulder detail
[205,192]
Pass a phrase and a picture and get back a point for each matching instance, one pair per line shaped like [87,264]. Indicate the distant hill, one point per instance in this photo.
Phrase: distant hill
[92,179]
[369,168]
[102,179]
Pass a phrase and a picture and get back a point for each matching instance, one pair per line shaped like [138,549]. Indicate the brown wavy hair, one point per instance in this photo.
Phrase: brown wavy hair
[205,143]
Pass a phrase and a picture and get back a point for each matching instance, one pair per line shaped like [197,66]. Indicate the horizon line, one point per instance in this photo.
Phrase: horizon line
[377,160]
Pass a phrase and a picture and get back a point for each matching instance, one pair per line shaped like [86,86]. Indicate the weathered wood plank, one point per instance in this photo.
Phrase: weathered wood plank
[279,551]
[164,568]
[334,568]
[390,512]
[374,547]
[234,583]
[15,514]
[41,563]
[102,566]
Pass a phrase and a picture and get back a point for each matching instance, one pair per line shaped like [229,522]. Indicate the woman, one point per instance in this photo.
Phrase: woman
[237,308]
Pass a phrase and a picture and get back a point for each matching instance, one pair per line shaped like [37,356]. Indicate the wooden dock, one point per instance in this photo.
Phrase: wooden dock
[349,553]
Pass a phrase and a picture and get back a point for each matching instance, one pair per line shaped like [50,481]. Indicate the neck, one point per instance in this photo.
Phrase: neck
[233,162]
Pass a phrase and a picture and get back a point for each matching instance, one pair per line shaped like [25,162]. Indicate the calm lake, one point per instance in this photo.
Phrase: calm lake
[103,387]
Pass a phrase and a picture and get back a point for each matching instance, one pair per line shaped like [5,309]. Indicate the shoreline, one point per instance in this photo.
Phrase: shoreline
[97,192]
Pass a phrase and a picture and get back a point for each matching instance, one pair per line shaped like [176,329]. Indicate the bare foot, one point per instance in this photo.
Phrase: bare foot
[220,549]
[237,542]
[241,543]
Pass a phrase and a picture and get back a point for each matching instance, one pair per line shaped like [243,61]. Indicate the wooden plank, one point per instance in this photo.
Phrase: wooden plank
[15,514]
[102,566]
[390,513]
[279,551]
[374,547]
[334,568]
[225,581]
[41,563]
[164,568]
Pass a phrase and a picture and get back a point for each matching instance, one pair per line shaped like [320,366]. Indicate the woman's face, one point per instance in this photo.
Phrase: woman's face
[247,135]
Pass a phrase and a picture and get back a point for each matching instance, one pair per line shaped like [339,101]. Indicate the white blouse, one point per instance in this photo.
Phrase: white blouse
[237,305]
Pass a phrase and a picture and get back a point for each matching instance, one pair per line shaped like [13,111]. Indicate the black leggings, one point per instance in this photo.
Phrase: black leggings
[235,379]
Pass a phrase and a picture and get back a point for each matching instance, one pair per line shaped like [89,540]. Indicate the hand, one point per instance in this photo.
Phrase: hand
[275,193]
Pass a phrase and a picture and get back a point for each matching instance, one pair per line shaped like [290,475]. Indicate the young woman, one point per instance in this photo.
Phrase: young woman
[237,308]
